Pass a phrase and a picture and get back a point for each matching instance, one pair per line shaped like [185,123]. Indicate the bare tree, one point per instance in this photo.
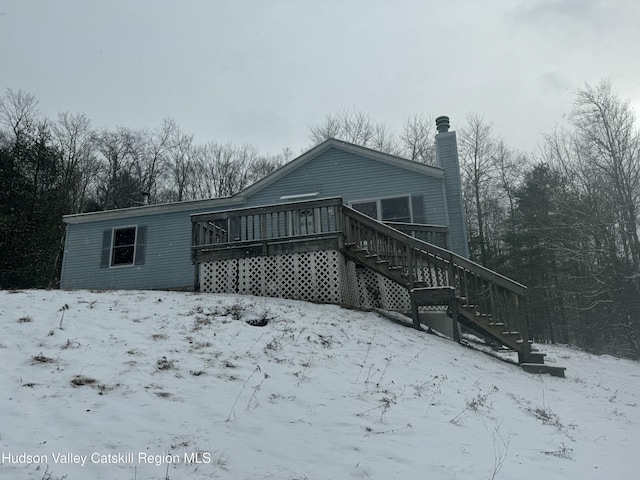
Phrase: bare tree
[509,169]
[180,169]
[418,139]
[384,140]
[119,185]
[477,150]
[73,136]
[19,112]
[264,165]
[415,142]
[609,140]
[223,170]
[355,127]
[149,152]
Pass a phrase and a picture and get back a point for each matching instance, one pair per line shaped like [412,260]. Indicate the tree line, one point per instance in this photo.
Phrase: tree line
[562,220]
[50,168]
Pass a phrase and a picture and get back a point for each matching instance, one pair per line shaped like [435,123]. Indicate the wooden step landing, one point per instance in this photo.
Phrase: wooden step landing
[537,357]
[427,296]
[540,368]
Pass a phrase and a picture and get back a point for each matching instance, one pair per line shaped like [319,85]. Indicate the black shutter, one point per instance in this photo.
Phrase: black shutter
[417,208]
[141,247]
[106,249]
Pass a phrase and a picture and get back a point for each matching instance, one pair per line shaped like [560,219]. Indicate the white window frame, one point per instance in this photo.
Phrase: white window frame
[113,239]
[378,202]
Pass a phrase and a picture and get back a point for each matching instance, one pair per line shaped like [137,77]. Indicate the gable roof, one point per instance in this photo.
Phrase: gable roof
[365,152]
[240,198]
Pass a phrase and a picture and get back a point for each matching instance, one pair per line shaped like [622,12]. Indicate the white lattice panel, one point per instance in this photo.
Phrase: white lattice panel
[393,296]
[324,277]
[251,276]
[350,288]
[432,276]
[313,276]
[376,291]
[368,290]
[219,277]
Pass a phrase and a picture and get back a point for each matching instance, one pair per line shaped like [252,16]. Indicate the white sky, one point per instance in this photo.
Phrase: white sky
[262,71]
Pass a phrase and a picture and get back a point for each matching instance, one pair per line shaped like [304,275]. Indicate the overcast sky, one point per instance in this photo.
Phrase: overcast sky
[263,71]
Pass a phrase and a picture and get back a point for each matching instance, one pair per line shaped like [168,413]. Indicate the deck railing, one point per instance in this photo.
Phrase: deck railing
[287,221]
[248,228]
[435,234]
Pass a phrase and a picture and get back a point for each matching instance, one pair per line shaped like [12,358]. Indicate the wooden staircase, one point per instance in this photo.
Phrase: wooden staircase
[483,301]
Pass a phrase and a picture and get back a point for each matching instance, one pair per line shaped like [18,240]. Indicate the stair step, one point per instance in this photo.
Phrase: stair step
[433,295]
[394,267]
[537,357]
[496,324]
[417,284]
[510,333]
[538,368]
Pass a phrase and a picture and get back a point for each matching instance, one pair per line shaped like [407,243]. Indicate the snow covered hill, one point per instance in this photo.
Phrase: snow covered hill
[153,385]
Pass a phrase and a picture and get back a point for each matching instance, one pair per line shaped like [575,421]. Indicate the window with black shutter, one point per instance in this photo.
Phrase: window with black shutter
[123,246]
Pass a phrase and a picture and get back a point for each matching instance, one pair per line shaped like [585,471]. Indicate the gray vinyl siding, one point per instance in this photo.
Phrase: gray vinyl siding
[166,265]
[336,173]
[167,262]
[447,156]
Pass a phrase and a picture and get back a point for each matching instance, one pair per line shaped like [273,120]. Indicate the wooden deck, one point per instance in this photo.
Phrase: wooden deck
[482,300]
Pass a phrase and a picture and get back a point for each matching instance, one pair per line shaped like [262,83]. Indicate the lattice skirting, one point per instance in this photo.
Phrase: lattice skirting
[325,277]
[313,276]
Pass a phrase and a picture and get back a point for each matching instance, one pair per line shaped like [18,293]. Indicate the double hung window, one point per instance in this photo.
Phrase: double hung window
[123,246]
[123,249]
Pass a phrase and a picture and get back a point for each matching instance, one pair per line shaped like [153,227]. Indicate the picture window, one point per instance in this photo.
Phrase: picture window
[394,209]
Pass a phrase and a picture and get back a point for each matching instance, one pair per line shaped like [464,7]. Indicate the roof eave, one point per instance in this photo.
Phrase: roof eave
[161,208]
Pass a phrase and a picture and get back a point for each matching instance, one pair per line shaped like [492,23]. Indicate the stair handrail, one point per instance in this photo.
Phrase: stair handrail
[446,255]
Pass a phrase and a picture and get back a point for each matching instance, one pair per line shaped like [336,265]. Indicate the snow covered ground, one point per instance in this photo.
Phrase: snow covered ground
[157,385]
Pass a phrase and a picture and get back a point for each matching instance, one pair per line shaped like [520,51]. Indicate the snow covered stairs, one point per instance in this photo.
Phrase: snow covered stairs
[483,301]
[485,326]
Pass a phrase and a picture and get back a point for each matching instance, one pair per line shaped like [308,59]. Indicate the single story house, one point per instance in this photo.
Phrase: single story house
[339,224]
[149,247]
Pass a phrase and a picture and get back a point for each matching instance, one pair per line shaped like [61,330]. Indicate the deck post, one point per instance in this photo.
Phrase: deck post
[525,356]
[453,304]
[415,312]
[457,337]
